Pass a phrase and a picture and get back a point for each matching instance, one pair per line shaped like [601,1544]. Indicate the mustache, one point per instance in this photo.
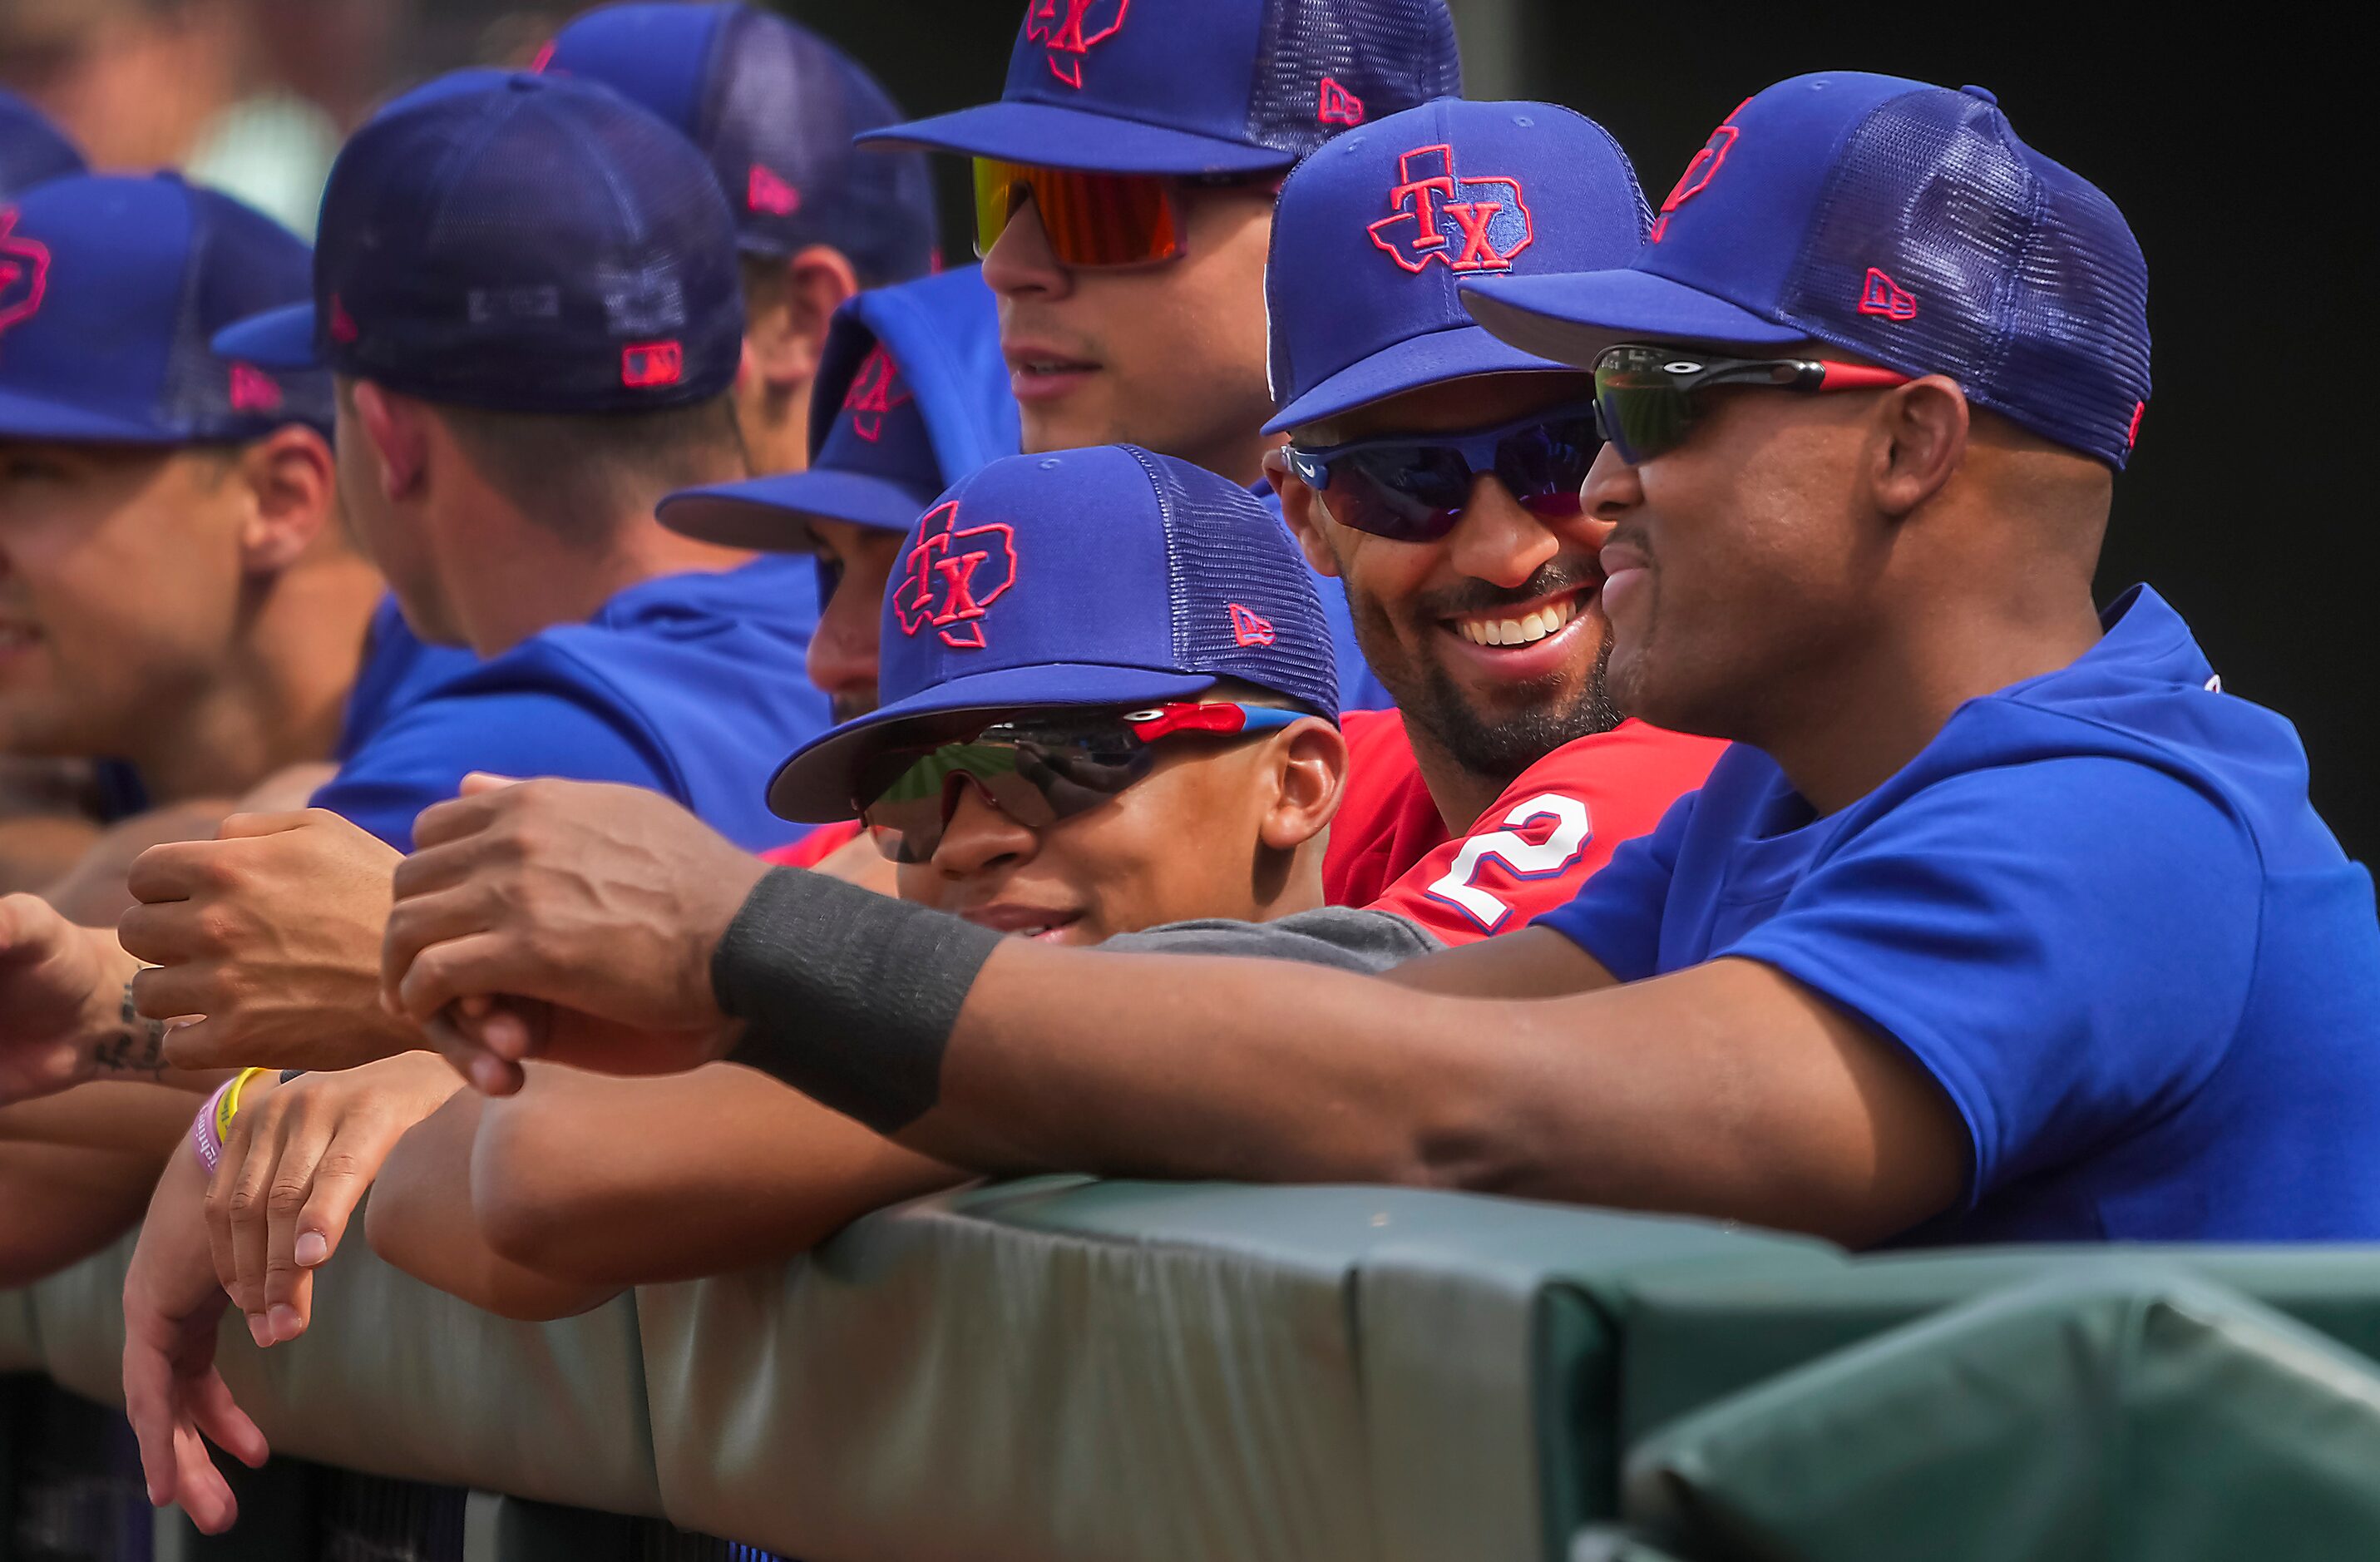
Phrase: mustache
[1552,578]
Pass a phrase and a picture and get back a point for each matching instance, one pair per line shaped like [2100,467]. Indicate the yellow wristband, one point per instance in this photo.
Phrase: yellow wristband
[230,1108]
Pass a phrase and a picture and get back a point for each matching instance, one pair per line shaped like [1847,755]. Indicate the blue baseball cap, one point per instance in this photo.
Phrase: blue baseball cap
[1191,87]
[1901,221]
[111,287]
[1373,234]
[31,149]
[774,107]
[1099,578]
[524,243]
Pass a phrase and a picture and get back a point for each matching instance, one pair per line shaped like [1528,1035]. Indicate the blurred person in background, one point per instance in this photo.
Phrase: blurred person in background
[1125,186]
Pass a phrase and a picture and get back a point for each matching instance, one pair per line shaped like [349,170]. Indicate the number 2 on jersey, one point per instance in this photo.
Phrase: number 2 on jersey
[1516,854]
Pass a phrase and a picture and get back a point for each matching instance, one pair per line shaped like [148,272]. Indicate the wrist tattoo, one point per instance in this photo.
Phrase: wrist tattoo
[136,1045]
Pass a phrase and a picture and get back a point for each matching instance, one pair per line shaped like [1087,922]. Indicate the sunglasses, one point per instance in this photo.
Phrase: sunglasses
[1093,220]
[1649,396]
[1035,772]
[1414,489]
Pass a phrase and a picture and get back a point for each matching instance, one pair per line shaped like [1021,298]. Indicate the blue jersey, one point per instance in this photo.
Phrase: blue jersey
[2099,910]
[690,685]
[1359,687]
[398,668]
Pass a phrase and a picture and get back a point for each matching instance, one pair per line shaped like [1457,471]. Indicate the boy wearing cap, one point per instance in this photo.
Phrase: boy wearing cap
[2001,921]
[773,108]
[1132,666]
[1123,197]
[1435,472]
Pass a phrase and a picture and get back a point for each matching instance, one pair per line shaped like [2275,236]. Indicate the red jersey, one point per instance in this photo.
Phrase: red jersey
[816,846]
[1529,852]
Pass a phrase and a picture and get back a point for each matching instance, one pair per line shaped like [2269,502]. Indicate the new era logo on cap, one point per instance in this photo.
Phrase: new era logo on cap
[1881,294]
[952,575]
[1250,628]
[253,390]
[764,192]
[24,272]
[1072,29]
[1472,225]
[876,390]
[1339,107]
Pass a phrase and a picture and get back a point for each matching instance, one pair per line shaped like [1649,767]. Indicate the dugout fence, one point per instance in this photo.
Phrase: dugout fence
[1062,1370]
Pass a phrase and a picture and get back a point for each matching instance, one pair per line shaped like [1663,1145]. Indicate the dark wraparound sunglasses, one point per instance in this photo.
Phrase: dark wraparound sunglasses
[1413,488]
[1037,771]
[1649,396]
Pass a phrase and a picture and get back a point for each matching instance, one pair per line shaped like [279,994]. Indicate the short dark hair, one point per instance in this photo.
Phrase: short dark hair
[580,474]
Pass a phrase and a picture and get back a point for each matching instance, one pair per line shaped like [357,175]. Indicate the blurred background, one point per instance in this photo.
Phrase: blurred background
[2238,505]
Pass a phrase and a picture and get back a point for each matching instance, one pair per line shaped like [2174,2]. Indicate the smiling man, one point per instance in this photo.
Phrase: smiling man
[1125,188]
[2000,921]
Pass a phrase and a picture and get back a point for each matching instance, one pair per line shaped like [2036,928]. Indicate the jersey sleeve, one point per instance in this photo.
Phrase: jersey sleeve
[2065,946]
[816,846]
[518,721]
[1553,830]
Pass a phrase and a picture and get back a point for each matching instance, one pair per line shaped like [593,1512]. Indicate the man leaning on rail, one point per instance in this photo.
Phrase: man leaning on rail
[2001,920]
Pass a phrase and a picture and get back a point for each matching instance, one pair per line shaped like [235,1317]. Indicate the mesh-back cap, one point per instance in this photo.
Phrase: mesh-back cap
[111,289]
[31,149]
[1099,578]
[1198,87]
[522,243]
[775,108]
[1902,221]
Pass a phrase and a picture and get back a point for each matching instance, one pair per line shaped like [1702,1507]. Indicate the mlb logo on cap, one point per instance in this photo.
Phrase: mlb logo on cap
[1103,578]
[1902,221]
[1198,87]
[1373,233]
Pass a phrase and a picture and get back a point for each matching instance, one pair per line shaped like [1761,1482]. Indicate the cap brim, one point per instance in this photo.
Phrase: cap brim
[32,417]
[814,787]
[1464,353]
[280,338]
[773,514]
[1572,316]
[1051,137]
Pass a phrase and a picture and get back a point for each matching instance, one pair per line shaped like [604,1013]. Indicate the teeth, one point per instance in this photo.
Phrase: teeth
[1526,630]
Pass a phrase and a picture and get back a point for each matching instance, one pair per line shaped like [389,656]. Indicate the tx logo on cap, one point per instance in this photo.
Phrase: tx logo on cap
[1701,168]
[952,575]
[24,272]
[875,391]
[1070,28]
[1486,221]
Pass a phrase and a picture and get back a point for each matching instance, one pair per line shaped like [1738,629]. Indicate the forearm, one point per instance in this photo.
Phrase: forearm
[626,1182]
[60,1204]
[420,1219]
[92,892]
[147,1121]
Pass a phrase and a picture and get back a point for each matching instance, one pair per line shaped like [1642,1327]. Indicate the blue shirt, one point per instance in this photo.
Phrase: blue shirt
[398,668]
[1359,687]
[2100,911]
[690,684]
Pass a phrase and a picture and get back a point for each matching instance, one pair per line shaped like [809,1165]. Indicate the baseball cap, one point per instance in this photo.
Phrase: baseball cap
[1191,87]
[774,107]
[1373,234]
[111,287]
[524,243]
[31,149]
[1902,221]
[1097,577]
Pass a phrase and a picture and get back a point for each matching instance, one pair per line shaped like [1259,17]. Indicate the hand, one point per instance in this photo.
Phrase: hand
[62,1015]
[297,1161]
[563,918]
[271,933]
[171,1392]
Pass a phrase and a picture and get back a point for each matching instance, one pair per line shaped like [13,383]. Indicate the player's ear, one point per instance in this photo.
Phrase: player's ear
[1309,773]
[787,308]
[1920,438]
[287,482]
[1303,508]
[397,429]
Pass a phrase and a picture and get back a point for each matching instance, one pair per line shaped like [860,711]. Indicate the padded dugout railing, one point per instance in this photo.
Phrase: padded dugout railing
[1140,1372]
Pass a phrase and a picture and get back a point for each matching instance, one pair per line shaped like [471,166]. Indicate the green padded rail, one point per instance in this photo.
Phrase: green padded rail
[2091,1416]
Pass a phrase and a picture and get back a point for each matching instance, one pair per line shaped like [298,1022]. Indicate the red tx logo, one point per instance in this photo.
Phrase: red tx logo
[1490,222]
[24,272]
[1085,24]
[952,575]
[875,391]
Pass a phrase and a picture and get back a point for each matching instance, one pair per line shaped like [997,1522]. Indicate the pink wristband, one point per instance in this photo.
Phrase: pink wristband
[205,1137]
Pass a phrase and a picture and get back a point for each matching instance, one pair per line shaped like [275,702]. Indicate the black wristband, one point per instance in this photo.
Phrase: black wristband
[845,994]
